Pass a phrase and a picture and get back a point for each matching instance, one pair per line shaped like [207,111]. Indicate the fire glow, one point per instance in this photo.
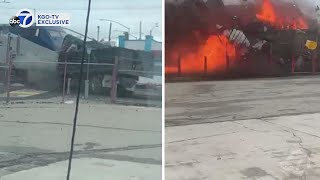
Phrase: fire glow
[216,49]
[278,14]
[275,16]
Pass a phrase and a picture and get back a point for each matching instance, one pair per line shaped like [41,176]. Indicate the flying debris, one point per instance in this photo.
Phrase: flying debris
[268,34]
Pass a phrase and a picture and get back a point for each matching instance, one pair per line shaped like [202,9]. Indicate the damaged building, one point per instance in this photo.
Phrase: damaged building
[240,38]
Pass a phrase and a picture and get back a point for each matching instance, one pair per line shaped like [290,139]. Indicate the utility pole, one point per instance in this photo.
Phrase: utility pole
[155,26]
[116,23]
[110,28]
[98,33]
[140,30]
[74,127]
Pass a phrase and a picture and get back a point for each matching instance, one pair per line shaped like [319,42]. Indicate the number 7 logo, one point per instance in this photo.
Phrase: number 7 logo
[26,17]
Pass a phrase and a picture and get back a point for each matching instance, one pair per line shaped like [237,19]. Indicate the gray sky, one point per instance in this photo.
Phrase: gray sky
[127,12]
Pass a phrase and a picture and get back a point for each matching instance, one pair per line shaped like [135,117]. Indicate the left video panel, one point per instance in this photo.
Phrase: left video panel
[81,89]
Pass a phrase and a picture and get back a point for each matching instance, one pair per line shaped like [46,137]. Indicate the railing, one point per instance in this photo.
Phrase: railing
[63,69]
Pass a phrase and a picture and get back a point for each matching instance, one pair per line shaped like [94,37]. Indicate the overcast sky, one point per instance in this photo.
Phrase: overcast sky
[127,12]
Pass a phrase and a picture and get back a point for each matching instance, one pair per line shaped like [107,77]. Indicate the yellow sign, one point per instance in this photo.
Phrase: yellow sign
[312,45]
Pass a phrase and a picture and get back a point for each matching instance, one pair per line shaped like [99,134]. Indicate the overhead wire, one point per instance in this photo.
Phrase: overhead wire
[78,92]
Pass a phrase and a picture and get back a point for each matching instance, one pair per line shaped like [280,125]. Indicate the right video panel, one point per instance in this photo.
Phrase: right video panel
[240,89]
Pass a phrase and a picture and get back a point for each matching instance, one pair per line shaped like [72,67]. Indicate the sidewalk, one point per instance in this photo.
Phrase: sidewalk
[112,141]
[278,148]
[86,168]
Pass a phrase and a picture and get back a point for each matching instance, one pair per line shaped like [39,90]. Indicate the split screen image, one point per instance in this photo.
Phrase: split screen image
[159,89]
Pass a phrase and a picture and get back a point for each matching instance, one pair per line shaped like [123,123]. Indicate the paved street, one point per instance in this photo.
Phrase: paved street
[110,139]
[262,129]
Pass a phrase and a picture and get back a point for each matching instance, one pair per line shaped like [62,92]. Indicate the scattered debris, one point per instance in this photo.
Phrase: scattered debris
[68,102]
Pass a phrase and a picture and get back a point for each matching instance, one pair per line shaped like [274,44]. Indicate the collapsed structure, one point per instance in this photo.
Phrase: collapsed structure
[262,37]
[44,57]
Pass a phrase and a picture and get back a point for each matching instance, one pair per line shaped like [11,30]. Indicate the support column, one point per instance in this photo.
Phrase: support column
[113,94]
[314,62]
[293,64]
[227,58]
[205,66]
[179,65]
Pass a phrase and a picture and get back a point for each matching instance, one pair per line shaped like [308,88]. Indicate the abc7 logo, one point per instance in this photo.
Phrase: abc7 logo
[14,21]
[24,18]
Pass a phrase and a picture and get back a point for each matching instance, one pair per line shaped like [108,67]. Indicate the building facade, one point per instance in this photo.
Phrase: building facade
[147,44]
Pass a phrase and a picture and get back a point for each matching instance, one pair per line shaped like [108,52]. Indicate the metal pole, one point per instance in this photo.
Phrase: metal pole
[156,25]
[8,48]
[179,65]
[9,63]
[98,33]
[205,66]
[114,81]
[293,64]
[9,78]
[270,54]
[314,58]
[110,32]
[140,30]
[64,79]
[227,57]
[86,89]
[86,85]
[18,44]
[294,55]
[74,127]
[88,65]
[69,86]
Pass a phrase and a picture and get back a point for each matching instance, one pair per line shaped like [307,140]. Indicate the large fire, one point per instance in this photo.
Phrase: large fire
[278,17]
[216,49]
[183,44]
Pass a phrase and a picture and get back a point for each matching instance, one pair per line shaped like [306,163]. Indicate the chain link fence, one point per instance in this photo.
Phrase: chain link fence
[110,79]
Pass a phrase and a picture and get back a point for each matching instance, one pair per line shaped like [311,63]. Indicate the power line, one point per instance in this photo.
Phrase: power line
[78,93]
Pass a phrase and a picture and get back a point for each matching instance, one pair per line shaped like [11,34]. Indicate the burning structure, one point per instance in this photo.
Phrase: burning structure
[265,37]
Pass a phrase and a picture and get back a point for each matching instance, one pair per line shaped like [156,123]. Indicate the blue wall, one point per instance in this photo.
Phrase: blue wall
[122,41]
[148,43]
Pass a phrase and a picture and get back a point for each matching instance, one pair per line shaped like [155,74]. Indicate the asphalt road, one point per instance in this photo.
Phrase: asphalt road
[20,94]
[35,140]
[216,101]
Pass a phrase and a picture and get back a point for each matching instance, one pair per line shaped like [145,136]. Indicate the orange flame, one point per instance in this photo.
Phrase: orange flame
[215,49]
[278,18]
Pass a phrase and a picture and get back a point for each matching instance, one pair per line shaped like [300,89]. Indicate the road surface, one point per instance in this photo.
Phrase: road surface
[110,140]
[259,129]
